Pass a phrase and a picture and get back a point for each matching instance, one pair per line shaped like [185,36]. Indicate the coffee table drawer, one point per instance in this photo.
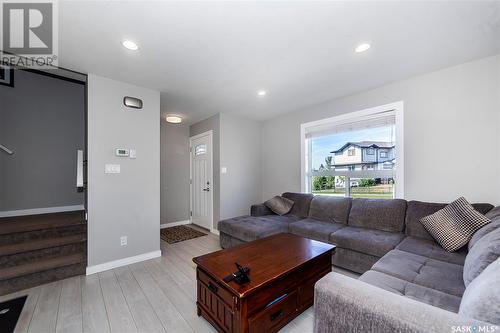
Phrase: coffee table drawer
[216,288]
[274,316]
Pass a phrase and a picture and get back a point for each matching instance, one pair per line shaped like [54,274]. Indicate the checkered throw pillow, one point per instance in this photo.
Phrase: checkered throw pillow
[453,226]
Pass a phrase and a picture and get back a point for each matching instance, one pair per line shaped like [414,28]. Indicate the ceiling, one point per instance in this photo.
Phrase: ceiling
[209,57]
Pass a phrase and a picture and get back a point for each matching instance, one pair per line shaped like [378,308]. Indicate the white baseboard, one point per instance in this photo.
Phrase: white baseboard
[173,224]
[122,262]
[214,231]
[36,211]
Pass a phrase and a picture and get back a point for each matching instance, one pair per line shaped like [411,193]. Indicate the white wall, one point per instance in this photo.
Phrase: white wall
[450,116]
[240,153]
[174,172]
[125,204]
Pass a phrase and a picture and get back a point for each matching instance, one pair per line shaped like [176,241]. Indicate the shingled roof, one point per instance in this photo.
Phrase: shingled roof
[365,144]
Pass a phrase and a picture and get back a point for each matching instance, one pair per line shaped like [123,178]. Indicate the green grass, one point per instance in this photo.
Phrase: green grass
[376,192]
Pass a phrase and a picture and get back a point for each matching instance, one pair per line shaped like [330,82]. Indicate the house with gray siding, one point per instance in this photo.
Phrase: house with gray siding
[364,155]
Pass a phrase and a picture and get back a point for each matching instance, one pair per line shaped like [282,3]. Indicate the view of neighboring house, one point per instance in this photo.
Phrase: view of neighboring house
[364,155]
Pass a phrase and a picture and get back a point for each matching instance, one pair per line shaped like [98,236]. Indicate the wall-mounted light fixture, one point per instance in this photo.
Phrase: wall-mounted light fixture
[132,102]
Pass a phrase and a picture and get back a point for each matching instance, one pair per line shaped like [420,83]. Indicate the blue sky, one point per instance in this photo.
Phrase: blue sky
[322,146]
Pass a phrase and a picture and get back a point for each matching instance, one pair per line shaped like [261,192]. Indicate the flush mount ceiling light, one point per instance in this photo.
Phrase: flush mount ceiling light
[362,47]
[261,93]
[174,119]
[130,45]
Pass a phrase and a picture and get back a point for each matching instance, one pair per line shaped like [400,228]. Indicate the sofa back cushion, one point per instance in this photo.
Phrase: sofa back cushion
[481,255]
[380,214]
[495,224]
[416,210]
[330,209]
[494,213]
[481,299]
[301,204]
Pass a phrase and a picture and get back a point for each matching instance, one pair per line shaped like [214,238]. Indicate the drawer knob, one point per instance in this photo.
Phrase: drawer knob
[213,288]
[276,315]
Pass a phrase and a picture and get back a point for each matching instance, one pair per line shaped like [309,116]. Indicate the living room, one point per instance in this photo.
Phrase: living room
[250,166]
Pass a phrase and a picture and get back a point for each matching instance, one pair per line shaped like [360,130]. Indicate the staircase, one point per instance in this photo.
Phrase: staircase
[38,249]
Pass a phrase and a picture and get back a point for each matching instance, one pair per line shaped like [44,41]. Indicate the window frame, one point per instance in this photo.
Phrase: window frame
[396,109]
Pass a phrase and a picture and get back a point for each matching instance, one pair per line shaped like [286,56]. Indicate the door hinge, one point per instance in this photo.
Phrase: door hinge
[190,181]
[191,213]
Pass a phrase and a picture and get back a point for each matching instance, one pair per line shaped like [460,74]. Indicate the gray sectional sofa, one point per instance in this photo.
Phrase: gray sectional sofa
[384,241]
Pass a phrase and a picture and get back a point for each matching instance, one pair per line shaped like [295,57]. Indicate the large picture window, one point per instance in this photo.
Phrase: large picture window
[355,155]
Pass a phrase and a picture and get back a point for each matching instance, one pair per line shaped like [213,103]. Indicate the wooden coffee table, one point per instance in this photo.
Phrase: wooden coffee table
[283,271]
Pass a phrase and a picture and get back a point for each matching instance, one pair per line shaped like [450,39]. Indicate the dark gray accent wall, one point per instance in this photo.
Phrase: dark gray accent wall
[42,119]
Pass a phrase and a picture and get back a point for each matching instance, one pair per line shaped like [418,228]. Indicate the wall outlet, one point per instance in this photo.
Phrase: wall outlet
[123,240]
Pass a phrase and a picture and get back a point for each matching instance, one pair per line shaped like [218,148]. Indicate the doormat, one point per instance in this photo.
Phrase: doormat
[179,233]
[10,312]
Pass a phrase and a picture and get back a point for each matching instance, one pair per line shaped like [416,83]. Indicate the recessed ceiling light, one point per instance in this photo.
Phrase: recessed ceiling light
[261,93]
[174,119]
[362,47]
[130,45]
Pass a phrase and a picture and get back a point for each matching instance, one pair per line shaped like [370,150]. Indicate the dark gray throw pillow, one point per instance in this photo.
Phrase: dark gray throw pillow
[453,226]
[279,205]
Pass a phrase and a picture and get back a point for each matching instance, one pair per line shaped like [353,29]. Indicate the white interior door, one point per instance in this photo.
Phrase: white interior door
[201,180]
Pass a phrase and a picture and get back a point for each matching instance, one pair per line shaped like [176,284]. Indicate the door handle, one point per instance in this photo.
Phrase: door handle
[206,189]
[5,149]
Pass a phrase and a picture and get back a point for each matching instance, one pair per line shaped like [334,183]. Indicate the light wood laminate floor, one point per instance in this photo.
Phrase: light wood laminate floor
[157,295]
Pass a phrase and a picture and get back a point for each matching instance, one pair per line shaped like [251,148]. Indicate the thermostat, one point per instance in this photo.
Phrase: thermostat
[120,152]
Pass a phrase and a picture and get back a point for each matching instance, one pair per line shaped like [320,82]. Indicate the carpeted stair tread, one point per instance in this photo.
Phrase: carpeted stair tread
[41,265]
[16,224]
[44,243]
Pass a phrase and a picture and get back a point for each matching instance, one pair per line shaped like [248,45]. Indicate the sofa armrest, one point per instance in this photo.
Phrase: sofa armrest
[260,210]
[344,304]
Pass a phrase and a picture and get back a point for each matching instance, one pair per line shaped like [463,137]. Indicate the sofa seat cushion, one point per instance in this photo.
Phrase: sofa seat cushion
[380,214]
[250,228]
[369,241]
[431,249]
[414,291]
[314,229]
[423,271]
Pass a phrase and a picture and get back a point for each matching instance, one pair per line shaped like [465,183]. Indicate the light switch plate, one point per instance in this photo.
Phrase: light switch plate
[223,170]
[112,168]
[133,153]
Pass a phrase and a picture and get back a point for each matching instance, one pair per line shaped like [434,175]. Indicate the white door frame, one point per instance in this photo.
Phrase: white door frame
[211,155]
